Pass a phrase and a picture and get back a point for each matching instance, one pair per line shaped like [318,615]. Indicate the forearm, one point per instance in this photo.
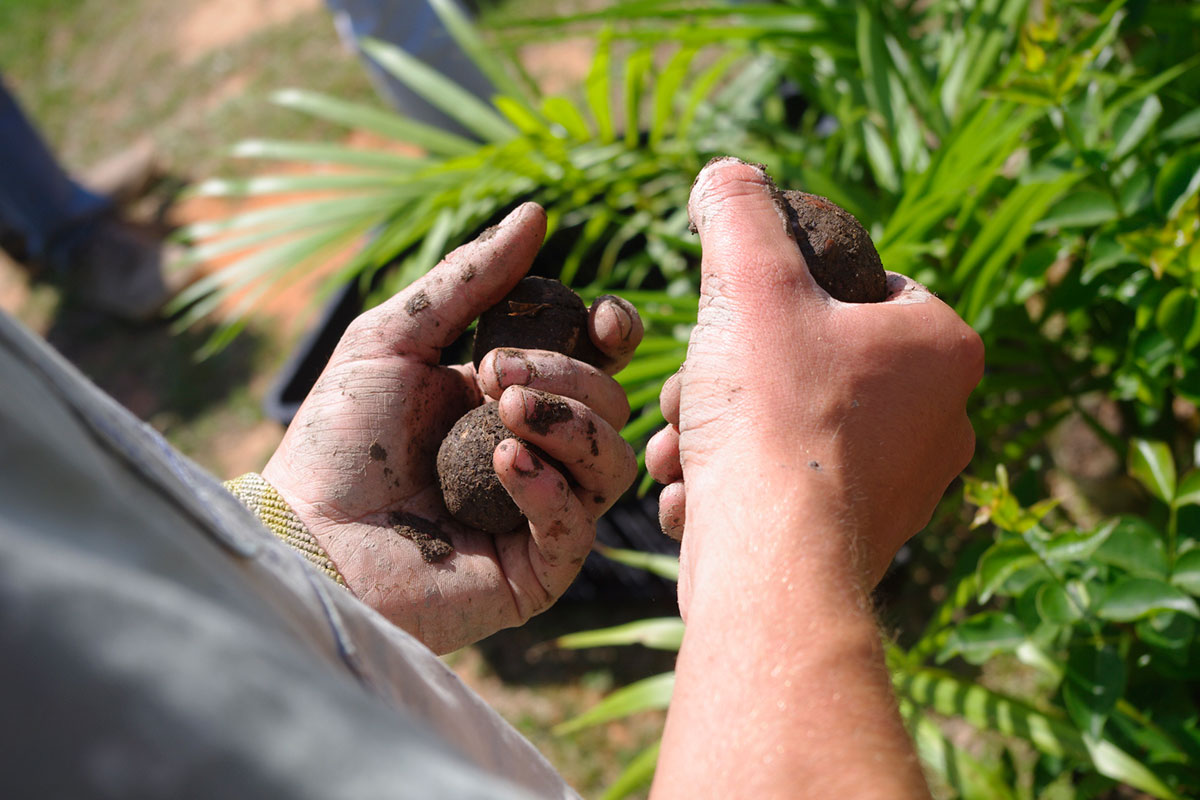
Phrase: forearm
[781,687]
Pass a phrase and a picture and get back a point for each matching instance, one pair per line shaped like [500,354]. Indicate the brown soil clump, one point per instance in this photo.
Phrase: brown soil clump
[839,252]
[473,493]
[538,314]
[433,545]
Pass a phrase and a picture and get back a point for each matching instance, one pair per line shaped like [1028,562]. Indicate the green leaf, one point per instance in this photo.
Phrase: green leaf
[1095,682]
[645,695]
[384,123]
[987,710]
[1177,182]
[637,775]
[1186,127]
[982,636]
[1060,604]
[327,154]
[637,68]
[659,633]
[1001,561]
[1153,466]
[1188,491]
[971,778]
[1168,631]
[597,88]
[441,92]
[565,113]
[873,59]
[1133,125]
[1072,546]
[1134,598]
[666,91]
[1085,208]
[660,565]
[1186,574]
[1120,766]
[1177,317]
[467,37]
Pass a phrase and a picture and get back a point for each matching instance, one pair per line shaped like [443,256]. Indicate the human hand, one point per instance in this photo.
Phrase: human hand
[844,422]
[359,457]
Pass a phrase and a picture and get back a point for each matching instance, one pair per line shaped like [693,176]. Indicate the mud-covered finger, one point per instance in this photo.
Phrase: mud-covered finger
[672,510]
[557,374]
[616,329]
[435,309]
[561,529]
[597,458]
[662,456]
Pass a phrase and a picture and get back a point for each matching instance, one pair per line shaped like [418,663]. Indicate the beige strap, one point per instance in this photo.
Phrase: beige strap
[274,512]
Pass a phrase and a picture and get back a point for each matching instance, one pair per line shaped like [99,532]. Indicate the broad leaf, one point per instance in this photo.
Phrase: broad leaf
[1188,491]
[1133,125]
[1136,547]
[1186,574]
[982,636]
[1152,464]
[1085,208]
[1095,681]
[1134,598]
[1120,766]
[1001,561]
[1177,182]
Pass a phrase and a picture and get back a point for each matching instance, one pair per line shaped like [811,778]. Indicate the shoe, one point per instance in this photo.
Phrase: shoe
[118,270]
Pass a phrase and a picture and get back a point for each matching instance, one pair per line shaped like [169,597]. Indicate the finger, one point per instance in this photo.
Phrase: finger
[561,529]
[672,511]
[668,398]
[557,374]
[616,330]
[748,254]
[600,461]
[662,456]
[433,311]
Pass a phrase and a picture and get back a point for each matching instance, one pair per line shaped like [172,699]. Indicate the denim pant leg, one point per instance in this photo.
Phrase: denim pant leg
[38,200]
[414,27]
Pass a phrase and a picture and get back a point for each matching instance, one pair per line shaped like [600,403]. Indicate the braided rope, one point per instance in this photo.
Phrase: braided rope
[274,512]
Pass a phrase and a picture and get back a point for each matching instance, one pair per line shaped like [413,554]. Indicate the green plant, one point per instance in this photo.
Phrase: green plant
[1037,165]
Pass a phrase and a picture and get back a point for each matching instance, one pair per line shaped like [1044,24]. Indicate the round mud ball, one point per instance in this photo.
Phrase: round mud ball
[839,252]
[538,314]
[473,493]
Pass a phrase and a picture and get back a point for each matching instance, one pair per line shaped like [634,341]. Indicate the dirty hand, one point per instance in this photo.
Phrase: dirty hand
[845,422]
[359,457]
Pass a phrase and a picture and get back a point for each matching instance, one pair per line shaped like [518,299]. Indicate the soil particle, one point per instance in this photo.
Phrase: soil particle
[468,274]
[487,233]
[431,542]
[417,303]
[548,411]
[814,465]
[377,453]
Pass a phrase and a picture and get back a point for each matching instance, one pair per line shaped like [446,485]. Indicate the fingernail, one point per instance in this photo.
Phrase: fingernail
[613,315]
[511,368]
[525,462]
[514,215]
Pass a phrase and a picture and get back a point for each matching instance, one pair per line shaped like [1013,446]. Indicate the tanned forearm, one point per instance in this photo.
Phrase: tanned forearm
[781,686]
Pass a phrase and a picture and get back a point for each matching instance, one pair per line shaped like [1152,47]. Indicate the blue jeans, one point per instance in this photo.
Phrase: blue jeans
[38,200]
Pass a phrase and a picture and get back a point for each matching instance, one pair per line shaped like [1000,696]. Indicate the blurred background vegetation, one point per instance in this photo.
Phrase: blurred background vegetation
[1036,163]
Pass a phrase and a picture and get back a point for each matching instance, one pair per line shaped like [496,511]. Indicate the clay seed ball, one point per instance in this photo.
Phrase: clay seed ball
[838,250]
[473,493]
[538,314]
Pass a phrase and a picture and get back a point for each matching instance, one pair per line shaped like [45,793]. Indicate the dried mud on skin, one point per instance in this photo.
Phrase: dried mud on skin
[433,545]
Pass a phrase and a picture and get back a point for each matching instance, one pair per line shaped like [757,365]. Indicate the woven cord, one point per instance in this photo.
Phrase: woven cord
[274,512]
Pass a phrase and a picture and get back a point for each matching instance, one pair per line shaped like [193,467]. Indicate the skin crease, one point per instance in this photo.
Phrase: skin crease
[807,440]
[364,442]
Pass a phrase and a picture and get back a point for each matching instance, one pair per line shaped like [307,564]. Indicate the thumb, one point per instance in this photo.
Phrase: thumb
[749,256]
